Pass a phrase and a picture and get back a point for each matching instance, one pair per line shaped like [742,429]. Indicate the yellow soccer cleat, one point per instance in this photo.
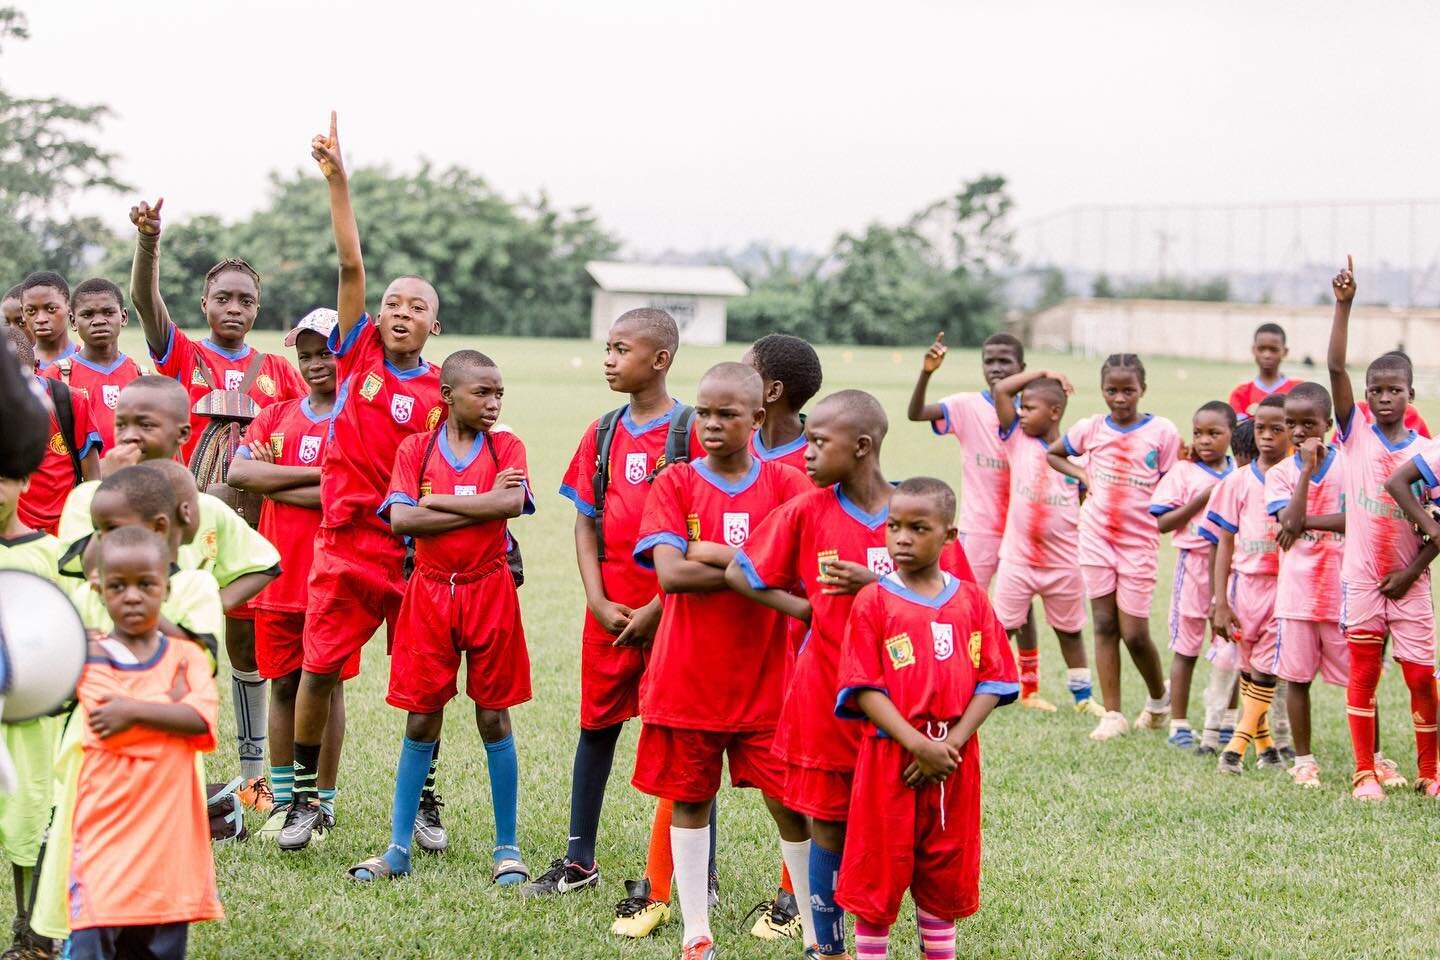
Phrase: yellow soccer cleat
[1035,702]
[638,916]
[779,918]
[1089,707]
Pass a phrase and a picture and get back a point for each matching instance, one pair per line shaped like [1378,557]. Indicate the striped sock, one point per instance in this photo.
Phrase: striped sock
[429,789]
[829,917]
[1077,680]
[327,799]
[282,783]
[248,693]
[872,941]
[937,937]
[1256,699]
[307,764]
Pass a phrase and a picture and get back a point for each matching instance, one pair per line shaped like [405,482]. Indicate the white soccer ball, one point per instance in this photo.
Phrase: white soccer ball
[42,646]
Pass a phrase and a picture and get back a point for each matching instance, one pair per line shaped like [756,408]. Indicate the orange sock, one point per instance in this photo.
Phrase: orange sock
[785,883]
[1029,672]
[659,865]
[1254,702]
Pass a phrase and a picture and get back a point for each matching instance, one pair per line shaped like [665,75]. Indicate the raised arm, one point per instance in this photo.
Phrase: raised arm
[145,276]
[1008,389]
[1341,391]
[919,410]
[350,300]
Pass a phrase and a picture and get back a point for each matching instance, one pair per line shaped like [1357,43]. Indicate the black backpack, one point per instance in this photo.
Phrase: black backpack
[64,402]
[677,450]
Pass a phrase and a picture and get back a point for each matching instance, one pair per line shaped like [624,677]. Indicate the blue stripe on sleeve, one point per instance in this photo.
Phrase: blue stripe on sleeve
[1221,522]
[646,546]
[752,576]
[569,493]
[1007,692]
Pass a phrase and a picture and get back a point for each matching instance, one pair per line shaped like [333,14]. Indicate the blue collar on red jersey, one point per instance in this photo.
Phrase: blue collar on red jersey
[638,429]
[459,463]
[868,520]
[310,413]
[119,362]
[215,348]
[895,585]
[726,486]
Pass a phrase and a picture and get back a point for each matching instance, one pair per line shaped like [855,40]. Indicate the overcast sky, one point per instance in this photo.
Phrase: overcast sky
[704,124]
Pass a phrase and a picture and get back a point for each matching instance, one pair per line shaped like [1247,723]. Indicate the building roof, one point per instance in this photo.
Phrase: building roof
[666,278]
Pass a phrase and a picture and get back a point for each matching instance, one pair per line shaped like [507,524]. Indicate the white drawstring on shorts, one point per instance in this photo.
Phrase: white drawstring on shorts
[944,731]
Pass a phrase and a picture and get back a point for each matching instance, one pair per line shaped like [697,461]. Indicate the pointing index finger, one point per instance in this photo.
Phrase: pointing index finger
[158,204]
[332,126]
[1350,263]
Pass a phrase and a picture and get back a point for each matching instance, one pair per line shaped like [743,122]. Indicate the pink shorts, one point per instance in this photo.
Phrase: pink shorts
[1252,600]
[1410,621]
[1305,648]
[1190,602]
[1059,588]
[983,552]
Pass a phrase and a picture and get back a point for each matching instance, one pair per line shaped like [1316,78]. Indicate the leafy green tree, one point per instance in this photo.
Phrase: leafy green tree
[782,299]
[46,155]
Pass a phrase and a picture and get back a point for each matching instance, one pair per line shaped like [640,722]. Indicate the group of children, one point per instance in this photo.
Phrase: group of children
[757,592]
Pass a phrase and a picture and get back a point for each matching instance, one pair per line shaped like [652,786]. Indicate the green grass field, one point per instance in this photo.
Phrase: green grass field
[1127,849]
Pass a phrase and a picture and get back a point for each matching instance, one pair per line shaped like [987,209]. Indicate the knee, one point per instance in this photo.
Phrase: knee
[424,727]
[494,724]
[283,690]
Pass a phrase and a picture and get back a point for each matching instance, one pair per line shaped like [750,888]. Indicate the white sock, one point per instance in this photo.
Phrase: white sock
[797,861]
[690,849]
[251,700]
[1307,759]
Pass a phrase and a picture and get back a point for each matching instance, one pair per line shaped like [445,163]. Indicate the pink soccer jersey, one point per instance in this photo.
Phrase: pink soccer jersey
[1188,480]
[1237,504]
[984,471]
[1309,583]
[1378,537]
[1126,464]
[1044,512]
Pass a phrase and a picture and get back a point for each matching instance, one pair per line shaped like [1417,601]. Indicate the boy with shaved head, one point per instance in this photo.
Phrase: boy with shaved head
[387,393]
[832,541]
[718,660]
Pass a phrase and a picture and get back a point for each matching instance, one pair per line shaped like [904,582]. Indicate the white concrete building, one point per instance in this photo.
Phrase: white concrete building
[694,296]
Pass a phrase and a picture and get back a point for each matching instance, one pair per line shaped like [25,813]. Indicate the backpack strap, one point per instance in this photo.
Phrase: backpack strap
[257,360]
[64,402]
[425,460]
[677,438]
[600,481]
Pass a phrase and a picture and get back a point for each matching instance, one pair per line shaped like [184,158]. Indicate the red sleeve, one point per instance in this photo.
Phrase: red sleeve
[260,428]
[954,562]
[770,557]
[997,663]
[358,349]
[179,358]
[1416,423]
[663,520]
[577,485]
[405,475]
[1238,398]
[859,667]
[510,452]
[87,434]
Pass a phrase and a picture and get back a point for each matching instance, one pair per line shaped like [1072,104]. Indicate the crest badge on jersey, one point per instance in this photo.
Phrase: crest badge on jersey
[1152,459]
[424,489]
[110,393]
[826,557]
[944,636]
[233,379]
[635,466]
[57,445]
[309,449]
[371,386]
[879,561]
[197,379]
[692,527]
[465,490]
[737,529]
[432,419]
[277,444]
[975,642]
[266,385]
[901,651]
[401,407]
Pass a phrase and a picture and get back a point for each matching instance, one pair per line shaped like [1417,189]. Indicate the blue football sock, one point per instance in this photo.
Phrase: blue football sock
[409,780]
[282,783]
[504,764]
[1078,683]
[594,756]
[714,829]
[829,918]
[327,800]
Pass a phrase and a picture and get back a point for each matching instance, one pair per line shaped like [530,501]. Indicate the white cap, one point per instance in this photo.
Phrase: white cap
[321,320]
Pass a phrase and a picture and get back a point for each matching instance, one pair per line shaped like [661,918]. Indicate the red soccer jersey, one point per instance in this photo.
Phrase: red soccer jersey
[52,481]
[466,474]
[929,656]
[277,380]
[791,454]
[789,548]
[1247,396]
[101,386]
[634,449]
[376,407]
[297,438]
[718,659]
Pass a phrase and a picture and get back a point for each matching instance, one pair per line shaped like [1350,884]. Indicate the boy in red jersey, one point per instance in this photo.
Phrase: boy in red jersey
[1269,350]
[831,541]
[60,471]
[98,370]
[453,489]
[387,392]
[1385,572]
[45,305]
[790,371]
[710,639]
[925,661]
[621,598]
[284,447]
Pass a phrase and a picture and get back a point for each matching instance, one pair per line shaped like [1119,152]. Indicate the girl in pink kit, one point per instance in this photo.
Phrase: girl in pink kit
[1128,454]
[1385,575]
[1179,507]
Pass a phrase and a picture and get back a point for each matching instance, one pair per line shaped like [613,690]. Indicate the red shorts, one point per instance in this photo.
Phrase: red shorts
[822,794]
[684,765]
[896,840]
[242,612]
[280,647]
[609,678]
[476,614]
[356,584]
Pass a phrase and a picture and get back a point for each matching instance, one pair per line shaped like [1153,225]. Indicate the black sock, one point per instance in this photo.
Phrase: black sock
[428,791]
[594,756]
[714,829]
[307,765]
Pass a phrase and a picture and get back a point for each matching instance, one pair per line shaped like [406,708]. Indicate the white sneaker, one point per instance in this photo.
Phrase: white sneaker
[1155,719]
[1112,724]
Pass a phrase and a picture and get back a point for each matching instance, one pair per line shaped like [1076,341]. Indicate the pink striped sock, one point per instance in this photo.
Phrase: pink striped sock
[937,937]
[871,940]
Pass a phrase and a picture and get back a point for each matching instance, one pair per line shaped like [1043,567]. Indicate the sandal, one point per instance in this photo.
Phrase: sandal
[510,867]
[378,868]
